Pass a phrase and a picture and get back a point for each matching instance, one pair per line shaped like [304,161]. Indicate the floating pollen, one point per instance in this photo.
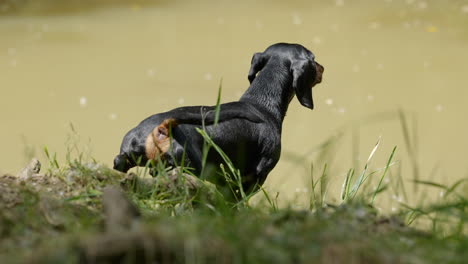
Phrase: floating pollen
[83,101]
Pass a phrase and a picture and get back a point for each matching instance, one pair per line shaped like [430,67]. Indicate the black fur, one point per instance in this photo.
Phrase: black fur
[249,131]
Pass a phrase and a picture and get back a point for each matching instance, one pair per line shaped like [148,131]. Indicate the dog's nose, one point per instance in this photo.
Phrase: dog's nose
[319,72]
[320,67]
[121,163]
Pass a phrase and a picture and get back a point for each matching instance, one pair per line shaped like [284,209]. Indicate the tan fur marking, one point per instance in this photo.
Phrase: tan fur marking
[158,141]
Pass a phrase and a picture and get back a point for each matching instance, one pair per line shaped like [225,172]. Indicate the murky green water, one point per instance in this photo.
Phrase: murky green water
[106,66]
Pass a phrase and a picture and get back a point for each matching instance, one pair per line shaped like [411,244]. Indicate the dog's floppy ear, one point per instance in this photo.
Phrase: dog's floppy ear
[258,62]
[303,79]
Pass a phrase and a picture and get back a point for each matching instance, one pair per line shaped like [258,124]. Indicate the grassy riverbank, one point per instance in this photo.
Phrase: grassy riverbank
[83,212]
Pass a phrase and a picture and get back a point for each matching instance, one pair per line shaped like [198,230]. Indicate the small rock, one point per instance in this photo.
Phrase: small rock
[34,167]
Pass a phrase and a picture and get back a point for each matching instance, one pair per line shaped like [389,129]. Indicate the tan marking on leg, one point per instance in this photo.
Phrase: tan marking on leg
[158,141]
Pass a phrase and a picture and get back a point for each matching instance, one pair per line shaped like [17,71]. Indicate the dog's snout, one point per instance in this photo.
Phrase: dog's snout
[319,72]
[320,67]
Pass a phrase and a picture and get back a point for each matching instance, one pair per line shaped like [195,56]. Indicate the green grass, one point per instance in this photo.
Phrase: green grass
[58,218]
[180,225]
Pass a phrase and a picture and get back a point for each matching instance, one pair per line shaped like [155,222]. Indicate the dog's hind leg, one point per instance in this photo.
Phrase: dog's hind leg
[252,182]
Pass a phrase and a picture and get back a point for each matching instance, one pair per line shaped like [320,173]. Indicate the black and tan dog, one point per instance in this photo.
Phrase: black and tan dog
[249,131]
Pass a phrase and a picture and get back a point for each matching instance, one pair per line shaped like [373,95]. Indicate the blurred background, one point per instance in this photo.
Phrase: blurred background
[394,69]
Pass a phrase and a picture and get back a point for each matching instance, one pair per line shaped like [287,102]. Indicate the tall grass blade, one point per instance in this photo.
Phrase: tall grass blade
[430,183]
[377,190]
[312,203]
[234,172]
[454,186]
[410,146]
[323,185]
[206,146]
[357,185]
[218,102]
[270,201]
[346,184]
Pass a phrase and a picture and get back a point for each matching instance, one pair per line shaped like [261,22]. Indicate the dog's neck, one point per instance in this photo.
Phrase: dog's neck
[272,89]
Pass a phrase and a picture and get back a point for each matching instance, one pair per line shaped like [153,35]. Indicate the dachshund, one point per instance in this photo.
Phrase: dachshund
[248,131]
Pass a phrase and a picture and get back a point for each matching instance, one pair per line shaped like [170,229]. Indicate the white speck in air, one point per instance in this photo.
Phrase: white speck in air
[329,101]
[13,63]
[11,51]
[422,5]
[464,9]
[83,101]
[113,116]
[439,108]
[341,110]
[397,198]
[296,19]
[380,66]
[356,68]
[258,24]
[181,101]
[339,2]
[374,25]
[208,76]
[151,72]
[317,40]
[370,98]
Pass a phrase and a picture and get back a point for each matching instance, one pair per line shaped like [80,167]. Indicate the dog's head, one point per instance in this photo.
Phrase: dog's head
[306,72]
